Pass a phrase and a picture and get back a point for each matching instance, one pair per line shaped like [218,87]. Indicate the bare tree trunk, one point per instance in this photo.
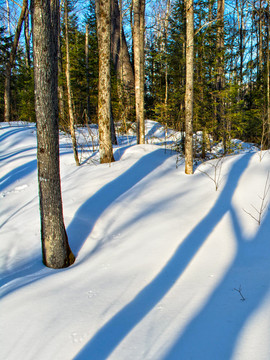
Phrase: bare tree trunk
[138,41]
[55,247]
[268,74]
[10,63]
[103,15]
[60,71]
[220,74]
[8,18]
[189,88]
[69,92]
[60,88]
[87,70]
[240,16]
[142,71]
[260,40]
[166,60]
[27,37]
[121,62]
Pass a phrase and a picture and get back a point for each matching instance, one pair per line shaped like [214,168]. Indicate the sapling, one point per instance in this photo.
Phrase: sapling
[216,177]
[264,202]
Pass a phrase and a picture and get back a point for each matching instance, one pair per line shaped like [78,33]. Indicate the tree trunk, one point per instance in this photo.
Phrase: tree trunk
[142,71]
[8,18]
[55,247]
[103,9]
[268,74]
[260,67]
[87,70]
[62,119]
[69,93]
[121,62]
[220,75]
[10,63]
[27,37]
[166,25]
[189,88]
[138,43]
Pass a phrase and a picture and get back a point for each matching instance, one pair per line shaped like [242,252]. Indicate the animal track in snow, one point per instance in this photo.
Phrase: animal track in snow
[17,189]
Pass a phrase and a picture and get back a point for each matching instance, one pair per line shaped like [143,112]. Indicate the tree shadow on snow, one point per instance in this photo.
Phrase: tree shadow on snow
[90,211]
[17,174]
[117,328]
[213,333]
[84,220]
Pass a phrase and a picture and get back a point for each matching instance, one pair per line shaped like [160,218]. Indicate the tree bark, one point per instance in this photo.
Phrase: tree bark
[222,132]
[138,43]
[87,70]
[103,10]
[10,63]
[121,59]
[268,74]
[69,92]
[189,88]
[27,37]
[166,25]
[55,248]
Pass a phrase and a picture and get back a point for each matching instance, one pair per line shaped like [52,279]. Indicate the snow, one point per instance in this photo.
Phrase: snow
[162,258]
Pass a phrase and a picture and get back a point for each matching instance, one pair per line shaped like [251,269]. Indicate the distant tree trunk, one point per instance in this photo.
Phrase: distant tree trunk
[268,73]
[189,88]
[27,37]
[87,70]
[55,247]
[60,88]
[142,71]
[121,62]
[220,74]
[138,41]
[60,83]
[260,64]
[8,17]
[10,63]
[113,135]
[69,92]
[240,16]
[103,15]
[166,59]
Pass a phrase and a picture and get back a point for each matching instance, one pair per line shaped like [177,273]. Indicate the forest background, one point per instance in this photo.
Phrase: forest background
[240,103]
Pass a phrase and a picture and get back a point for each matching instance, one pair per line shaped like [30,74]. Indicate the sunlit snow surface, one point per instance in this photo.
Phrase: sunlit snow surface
[163,261]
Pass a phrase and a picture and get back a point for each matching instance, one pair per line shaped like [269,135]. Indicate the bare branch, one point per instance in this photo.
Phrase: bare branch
[240,292]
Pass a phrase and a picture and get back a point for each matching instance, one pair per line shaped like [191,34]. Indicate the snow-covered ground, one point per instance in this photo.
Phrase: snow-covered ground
[166,266]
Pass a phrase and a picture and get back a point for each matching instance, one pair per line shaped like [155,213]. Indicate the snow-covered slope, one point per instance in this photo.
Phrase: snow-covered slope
[163,261]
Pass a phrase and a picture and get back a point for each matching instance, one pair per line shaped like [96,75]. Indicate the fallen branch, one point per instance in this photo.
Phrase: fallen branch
[240,292]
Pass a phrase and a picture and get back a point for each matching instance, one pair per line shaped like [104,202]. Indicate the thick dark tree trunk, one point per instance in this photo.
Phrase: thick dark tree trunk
[55,247]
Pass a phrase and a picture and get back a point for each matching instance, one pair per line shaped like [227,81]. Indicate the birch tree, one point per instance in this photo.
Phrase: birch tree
[55,248]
